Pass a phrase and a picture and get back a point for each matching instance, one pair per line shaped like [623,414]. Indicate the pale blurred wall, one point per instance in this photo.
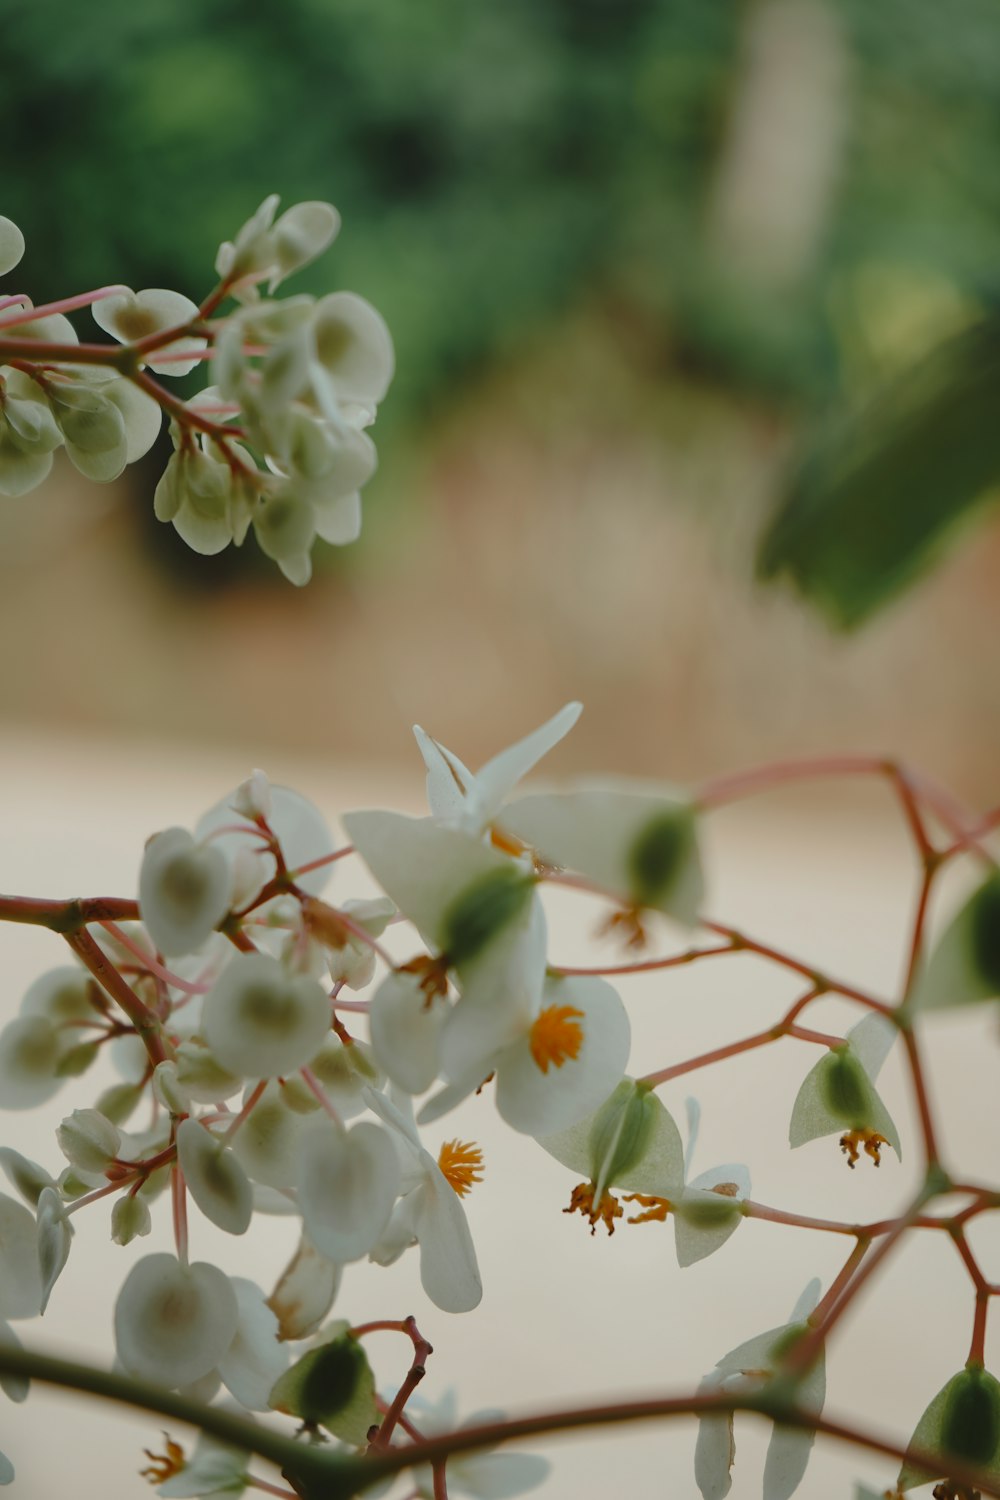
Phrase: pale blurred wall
[573,530]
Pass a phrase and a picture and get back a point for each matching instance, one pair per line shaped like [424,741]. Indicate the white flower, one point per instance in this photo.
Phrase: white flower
[558,1048]
[745,1368]
[173,1322]
[430,1213]
[460,799]
[261,1023]
[129,316]
[183,890]
[348,1181]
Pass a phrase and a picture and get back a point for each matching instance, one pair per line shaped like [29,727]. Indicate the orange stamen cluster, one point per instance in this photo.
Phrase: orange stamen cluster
[870,1142]
[656,1208]
[163,1466]
[605,1212]
[555,1035]
[461,1163]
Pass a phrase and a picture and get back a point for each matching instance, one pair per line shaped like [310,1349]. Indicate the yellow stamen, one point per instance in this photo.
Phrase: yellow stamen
[163,1466]
[555,1036]
[606,1211]
[461,1162]
[656,1208]
[870,1142]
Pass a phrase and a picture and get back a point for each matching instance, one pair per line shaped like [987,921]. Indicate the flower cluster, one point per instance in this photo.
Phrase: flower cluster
[225,994]
[278,442]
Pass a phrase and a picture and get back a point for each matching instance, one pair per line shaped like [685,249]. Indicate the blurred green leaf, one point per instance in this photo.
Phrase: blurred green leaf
[871,504]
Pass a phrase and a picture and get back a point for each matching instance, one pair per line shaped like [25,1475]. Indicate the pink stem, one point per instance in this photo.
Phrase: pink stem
[64,305]
[191,987]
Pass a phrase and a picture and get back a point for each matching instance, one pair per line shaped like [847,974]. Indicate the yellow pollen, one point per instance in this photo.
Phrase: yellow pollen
[870,1142]
[461,1162]
[164,1466]
[656,1208]
[606,1211]
[555,1035]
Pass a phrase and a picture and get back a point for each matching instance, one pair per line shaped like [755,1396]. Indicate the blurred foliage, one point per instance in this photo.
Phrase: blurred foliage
[496,165]
[870,506]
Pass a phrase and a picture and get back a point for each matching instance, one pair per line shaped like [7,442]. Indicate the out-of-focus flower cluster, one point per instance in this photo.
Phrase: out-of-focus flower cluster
[244,1089]
[278,442]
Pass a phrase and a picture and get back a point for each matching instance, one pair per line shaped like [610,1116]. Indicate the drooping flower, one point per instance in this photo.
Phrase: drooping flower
[638,843]
[746,1368]
[964,966]
[962,1422]
[838,1095]
[630,1142]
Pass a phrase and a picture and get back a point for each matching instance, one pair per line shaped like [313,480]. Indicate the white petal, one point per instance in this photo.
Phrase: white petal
[406,1030]
[497,1476]
[174,1323]
[354,347]
[715,1449]
[183,890]
[542,1103]
[871,1040]
[449,1271]
[787,1459]
[348,1182]
[255,1358]
[267,1143]
[638,845]
[20,1277]
[215,1178]
[495,781]
[11,248]
[304,1292]
[260,1023]
[448,780]
[14,1387]
[300,827]
[55,1234]
[423,868]
[30,1049]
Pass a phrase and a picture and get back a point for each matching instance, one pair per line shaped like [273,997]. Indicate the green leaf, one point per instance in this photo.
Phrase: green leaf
[871,502]
[331,1386]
